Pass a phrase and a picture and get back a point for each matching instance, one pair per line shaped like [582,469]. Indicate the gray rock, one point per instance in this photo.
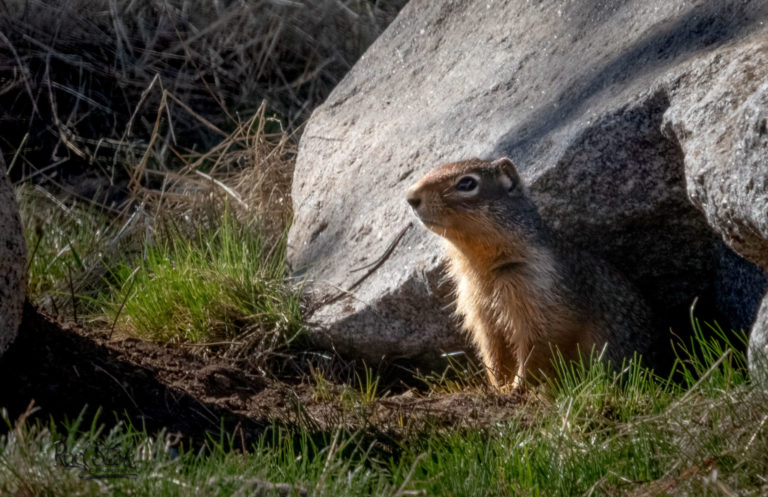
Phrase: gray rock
[13,263]
[720,118]
[576,93]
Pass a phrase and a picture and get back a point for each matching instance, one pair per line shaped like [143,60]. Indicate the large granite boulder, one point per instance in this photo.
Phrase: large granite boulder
[13,263]
[588,98]
[720,119]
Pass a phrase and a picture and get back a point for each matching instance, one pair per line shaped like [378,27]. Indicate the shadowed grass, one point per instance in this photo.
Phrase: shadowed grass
[702,357]
[66,240]
[33,461]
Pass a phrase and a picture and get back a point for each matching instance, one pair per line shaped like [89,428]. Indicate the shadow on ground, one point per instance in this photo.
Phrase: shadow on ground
[67,369]
[65,372]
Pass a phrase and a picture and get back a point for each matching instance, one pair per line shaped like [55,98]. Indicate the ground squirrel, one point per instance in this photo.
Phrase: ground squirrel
[522,291]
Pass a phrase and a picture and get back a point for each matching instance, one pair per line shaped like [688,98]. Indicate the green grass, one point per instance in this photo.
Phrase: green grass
[592,432]
[165,282]
[223,281]
[710,345]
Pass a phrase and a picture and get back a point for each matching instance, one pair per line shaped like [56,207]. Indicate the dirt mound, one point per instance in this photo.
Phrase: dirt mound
[64,368]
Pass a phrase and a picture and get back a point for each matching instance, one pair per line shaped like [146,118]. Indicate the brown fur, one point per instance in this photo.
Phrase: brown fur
[516,289]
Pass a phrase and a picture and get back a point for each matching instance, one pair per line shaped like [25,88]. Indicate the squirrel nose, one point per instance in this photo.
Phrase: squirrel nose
[414,199]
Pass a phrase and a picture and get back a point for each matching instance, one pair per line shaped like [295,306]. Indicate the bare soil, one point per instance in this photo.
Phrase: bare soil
[65,369]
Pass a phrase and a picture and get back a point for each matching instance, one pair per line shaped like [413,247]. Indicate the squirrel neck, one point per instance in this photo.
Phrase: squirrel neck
[490,260]
[504,251]
[524,268]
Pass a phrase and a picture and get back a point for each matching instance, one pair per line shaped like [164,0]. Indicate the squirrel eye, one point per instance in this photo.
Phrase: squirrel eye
[466,184]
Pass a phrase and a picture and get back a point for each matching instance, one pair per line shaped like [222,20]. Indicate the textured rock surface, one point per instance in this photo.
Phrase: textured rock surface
[576,94]
[13,263]
[720,118]
[721,121]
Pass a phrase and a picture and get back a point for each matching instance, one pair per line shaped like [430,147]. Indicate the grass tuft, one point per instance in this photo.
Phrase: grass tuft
[212,287]
[712,363]
[280,463]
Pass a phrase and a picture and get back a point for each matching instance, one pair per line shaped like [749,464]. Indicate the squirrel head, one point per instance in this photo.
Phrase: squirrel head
[476,204]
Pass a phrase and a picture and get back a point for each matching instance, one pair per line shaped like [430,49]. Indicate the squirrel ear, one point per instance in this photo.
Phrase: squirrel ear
[508,171]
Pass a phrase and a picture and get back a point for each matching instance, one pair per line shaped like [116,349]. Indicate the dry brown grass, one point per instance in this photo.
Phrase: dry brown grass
[249,171]
[97,94]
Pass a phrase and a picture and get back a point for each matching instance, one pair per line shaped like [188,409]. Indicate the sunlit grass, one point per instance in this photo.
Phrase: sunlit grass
[210,286]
